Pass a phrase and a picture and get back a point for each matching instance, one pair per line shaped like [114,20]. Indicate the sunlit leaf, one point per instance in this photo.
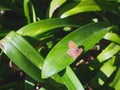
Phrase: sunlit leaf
[112,37]
[104,73]
[22,54]
[91,5]
[81,37]
[28,59]
[54,5]
[109,52]
[37,30]
[74,83]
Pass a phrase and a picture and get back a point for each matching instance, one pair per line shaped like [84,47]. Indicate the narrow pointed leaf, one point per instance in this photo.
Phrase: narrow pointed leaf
[54,5]
[109,52]
[91,5]
[22,54]
[28,59]
[69,79]
[73,79]
[117,85]
[112,37]
[27,10]
[83,6]
[58,59]
[38,29]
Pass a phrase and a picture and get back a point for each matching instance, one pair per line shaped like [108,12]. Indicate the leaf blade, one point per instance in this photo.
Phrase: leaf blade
[54,5]
[37,29]
[109,52]
[18,57]
[53,65]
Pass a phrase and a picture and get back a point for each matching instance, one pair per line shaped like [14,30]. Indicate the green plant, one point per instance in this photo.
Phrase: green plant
[35,36]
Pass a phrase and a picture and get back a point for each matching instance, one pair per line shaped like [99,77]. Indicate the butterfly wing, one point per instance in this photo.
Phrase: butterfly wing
[73,50]
[71,44]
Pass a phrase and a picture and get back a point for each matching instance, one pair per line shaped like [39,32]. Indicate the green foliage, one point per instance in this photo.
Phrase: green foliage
[86,40]
[35,48]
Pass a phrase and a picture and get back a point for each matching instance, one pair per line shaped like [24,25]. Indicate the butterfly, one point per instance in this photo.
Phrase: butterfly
[73,50]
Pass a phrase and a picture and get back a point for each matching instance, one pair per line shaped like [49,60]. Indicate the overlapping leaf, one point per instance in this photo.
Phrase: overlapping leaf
[22,54]
[74,83]
[116,81]
[109,52]
[112,37]
[91,5]
[38,29]
[104,73]
[54,5]
[86,36]
[30,61]
[69,79]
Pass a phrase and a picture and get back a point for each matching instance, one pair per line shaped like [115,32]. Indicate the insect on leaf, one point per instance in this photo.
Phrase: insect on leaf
[73,50]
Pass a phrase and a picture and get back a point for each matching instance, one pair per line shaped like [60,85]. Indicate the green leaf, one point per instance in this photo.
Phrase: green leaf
[38,29]
[22,54]
[58,59]
[112,37]
[104,73]
[91,5]
[83,6]
[69,79]
[116,82]
[54,5]
[109,52]
[29,60]
[27,10]
[74,83]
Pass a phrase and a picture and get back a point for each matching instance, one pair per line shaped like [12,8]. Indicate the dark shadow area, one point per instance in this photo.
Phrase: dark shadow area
[107,5]
[61,73]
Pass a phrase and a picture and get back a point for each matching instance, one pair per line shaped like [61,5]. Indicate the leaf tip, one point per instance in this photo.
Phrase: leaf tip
[63,16]
[46,72]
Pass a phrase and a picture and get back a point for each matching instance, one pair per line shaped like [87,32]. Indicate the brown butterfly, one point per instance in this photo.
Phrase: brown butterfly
[73,50]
